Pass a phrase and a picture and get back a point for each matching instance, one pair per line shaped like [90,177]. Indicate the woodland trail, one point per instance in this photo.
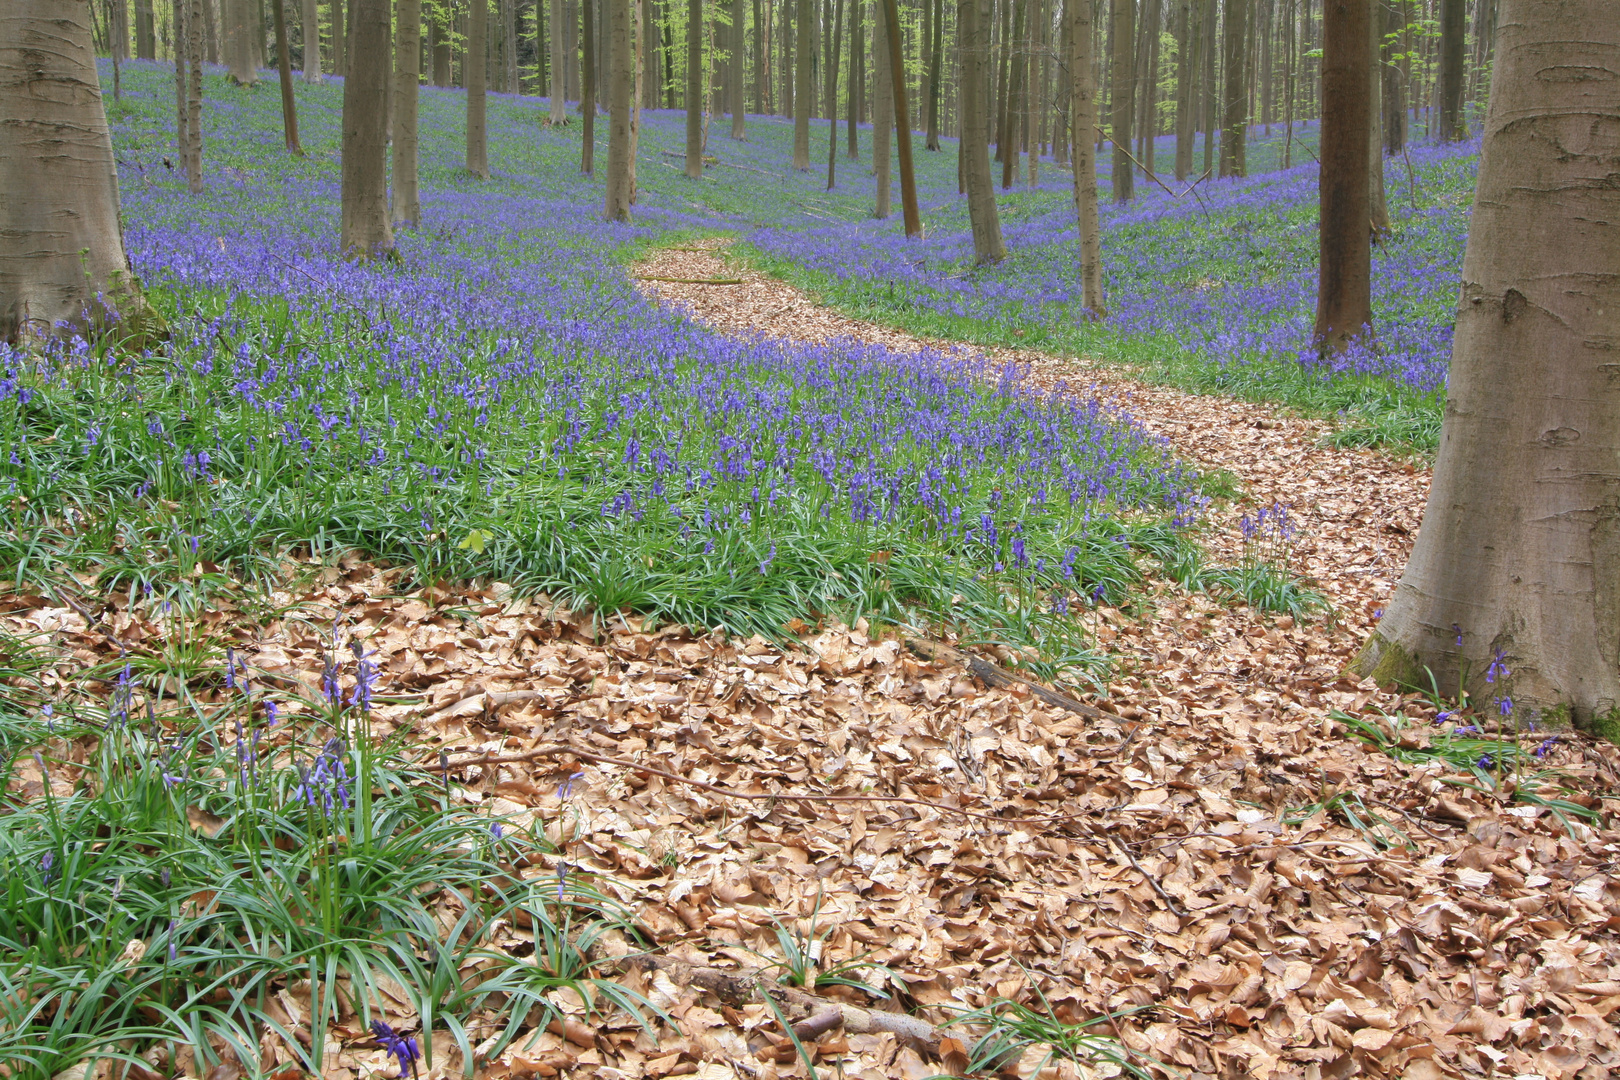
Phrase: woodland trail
[1356,510]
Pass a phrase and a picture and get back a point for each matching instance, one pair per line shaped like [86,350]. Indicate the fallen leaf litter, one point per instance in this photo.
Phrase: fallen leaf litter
[1150,873]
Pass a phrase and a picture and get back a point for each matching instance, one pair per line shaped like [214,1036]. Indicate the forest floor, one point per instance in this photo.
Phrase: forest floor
[1243,862]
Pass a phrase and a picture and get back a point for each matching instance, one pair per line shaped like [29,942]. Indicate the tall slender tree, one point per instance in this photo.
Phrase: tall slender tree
[694,89]
[1344,289]
[853,98]
[311,20]
[1017,61]
[882,118]
[973,51]
[936,68]
[475,74]
[289,107]
[1518,559]
[832,93]
[1394,89]
[1377,202]
[365,232]
[739,50]
[194,55]
[1188,14]
[804,88]
[62,266]
[181,95]
[587,142]
[1235,96]
[559,104]
[1210,94]
[1123,97]
[1083,97]
[1453,21]
[340,34]
[621,94]
[407,201]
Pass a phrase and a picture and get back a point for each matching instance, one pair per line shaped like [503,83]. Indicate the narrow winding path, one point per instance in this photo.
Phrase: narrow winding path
[1356,510]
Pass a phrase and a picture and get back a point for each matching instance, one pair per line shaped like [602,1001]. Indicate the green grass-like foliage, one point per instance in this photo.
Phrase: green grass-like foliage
[190,876]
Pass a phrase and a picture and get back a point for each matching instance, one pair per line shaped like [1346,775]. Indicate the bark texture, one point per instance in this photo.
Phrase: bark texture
[364,231]
[804,88]
[882,119]
[1187,20]
[973,38]
[289,108]
[239,16]
[739,49]
[1124,98]
[1083,95]
[407,203]
[476,77]
[310,20]
[1344,284]
[587,142]
[559,107]
[1235,97]
[1520,547]
[902,124]
[694,92]
[1377,201]
[1450,88]
[621,92]
[62,262]
[193,150]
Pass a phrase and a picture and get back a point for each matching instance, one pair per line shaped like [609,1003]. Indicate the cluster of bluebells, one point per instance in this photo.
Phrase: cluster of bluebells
[325,782]
[514,372]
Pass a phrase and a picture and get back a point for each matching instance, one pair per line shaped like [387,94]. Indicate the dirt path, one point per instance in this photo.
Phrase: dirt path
[1355,510]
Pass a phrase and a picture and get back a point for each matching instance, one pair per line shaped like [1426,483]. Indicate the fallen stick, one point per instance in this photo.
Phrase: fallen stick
[997,676]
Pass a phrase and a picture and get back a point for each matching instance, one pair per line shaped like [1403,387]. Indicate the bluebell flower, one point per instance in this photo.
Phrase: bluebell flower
[403,1048]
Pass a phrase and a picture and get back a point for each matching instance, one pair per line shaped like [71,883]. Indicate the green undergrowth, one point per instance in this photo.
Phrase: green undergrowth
[1366,410]
[189,884]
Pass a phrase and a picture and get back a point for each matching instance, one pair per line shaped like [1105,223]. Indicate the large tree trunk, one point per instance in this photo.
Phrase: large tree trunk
[289,108]
[365,232]
[439,46]
[239,32]
[475,75]
[310,19]
[621,91]
[1150,85]
[694,90]
[803,89]
[1083,95]
[1450,89]
[118,29]
[62,262]
[973,41]
[1519,554]
[1124,97]
[1344,290]
[407,203]
[145,31]
[559,105]
[882,117]
[1235,99]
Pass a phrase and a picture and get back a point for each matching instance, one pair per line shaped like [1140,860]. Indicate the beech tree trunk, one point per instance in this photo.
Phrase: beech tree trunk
[407,202]
[182,140]
[621,91]
[365,232]
[289,108]
[587,98]
[439,33]
[902,124]
[340,33]
[1124,97]
[936,67]
[694,92]
[1344,289]
[973,45]
[239,16]
[1186,71]
[193,150]
[1235,99]
[310,18]
[832,93]
[1377,203]
[1083,98]
[739,49]
[63,269]
[509,44]
[882,118]
[1450,89]
[1519,554]
[475,75]
[1211,93]
[857,10]
[804,89]
[1016,64]
[559,106]
[1394,88]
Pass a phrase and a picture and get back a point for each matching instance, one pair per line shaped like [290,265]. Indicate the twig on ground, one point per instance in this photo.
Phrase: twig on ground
[997,676]
[1151,880]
